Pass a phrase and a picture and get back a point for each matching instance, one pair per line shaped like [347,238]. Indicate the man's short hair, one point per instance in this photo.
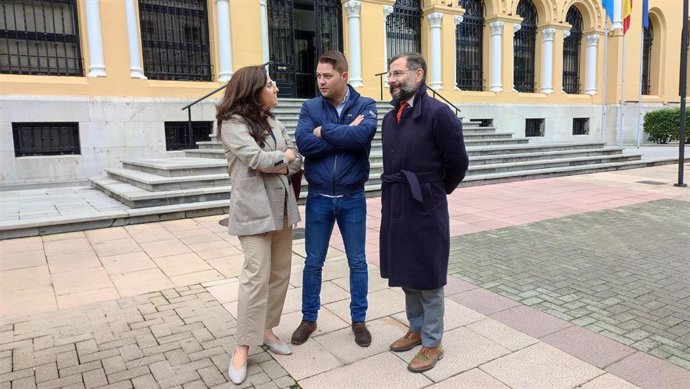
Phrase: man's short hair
[336,59]
[414,61]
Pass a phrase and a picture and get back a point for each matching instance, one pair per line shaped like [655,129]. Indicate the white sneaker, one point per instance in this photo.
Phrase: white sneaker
[278,347]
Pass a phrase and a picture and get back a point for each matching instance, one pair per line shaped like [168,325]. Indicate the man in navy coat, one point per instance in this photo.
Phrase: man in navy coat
[424,159]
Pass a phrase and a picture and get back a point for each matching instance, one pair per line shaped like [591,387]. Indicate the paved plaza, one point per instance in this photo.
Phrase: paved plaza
[571,282]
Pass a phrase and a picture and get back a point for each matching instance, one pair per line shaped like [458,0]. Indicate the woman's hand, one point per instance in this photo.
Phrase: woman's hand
[290,155]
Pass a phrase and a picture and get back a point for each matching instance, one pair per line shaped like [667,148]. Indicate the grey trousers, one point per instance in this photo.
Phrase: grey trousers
[263,283]
[424,310]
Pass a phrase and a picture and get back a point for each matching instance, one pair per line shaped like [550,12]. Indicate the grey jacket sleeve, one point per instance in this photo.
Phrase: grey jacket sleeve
[237,140]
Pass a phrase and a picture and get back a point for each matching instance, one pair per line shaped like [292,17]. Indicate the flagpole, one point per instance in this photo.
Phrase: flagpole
[683,89]
[620,122]
[603,102]
[639,96]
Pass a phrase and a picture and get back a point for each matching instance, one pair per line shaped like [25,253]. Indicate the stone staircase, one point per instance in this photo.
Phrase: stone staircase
[201,175]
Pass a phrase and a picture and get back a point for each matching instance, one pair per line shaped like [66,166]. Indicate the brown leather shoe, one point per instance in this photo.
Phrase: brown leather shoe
[362,334]
[303,331]
[425,359]
[407,342]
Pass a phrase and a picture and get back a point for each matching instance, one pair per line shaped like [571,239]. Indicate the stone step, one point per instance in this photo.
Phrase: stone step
[519,157]
[528,148]
[177,166]
[135,197]
[156,183]
[548,163]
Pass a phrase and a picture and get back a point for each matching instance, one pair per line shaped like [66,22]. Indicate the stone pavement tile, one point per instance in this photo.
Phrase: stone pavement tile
[530,321]
[229,266]
[473,379]
[541,366]
[67,246]
[225,292]
[456,285]
[198,236]
[127,263]
[308,359]
[329,293]
[341,343]
[196,277]
[63,236]
[500,333]
[153,233]
[381,303]
[22,259]
[214,249]
[140,282]
[180,225]
[379,371]
[591,347]
[116,247]
[327,322]
[648,371]
[20,302]
[70,262]
[107,234]
[173,265]
[89,279]
[26,278]
[483,301]
[463,350]
[20,245]
[164,248]
[87,297]
[608,381]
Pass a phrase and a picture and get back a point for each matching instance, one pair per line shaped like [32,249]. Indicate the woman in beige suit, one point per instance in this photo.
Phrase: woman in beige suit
[261,158]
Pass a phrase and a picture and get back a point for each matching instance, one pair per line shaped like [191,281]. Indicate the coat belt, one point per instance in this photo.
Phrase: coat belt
[413,179]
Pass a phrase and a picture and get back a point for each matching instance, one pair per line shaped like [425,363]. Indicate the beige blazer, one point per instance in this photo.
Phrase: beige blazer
[257,201]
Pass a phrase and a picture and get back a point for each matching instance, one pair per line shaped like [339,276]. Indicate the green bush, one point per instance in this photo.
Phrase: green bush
[663,126]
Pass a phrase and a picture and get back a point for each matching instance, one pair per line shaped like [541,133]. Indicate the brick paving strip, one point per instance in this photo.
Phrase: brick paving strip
[176,338]
[623,273]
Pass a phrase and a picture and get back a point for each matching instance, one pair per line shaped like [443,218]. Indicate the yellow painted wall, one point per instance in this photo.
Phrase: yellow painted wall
[246,50]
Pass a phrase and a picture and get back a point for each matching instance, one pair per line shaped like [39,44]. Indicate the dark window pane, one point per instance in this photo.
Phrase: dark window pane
[45,138]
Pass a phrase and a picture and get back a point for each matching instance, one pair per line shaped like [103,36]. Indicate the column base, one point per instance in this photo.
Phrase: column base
[547,91]
[356,83]
[138,74]
[225,77]
[436,85]
[96,71]
[591,92]
[497,88]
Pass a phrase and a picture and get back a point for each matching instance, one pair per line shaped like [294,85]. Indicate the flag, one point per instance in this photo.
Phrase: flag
[626,10]
[645,13]
[608,6]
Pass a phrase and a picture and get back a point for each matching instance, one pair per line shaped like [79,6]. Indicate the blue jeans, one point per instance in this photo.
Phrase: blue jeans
[350,213]
[424,310]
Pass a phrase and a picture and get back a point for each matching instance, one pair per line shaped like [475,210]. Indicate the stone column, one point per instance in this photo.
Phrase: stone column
[387,11]
[496,35]
[617,15]
[591,83]
[94,39]
[547,63]
[435,21]
[135,68]
[353,8]
[224,42]
[265,53]
[516,27]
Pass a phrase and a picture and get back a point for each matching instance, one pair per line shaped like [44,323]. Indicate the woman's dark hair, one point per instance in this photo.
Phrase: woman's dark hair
[243,98]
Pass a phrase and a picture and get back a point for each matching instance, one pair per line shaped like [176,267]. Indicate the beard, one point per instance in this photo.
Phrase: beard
[405,91]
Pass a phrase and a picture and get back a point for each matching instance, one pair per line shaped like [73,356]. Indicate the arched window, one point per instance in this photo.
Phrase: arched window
[523,47]
[647,59]
[469,37]
[571,52]
[404,28]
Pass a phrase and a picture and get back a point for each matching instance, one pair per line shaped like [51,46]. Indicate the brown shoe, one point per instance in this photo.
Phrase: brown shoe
[362,334]
[407,342]
[303,331]
[425,359]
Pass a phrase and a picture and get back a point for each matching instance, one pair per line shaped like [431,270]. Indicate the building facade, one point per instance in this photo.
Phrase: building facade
[87,83]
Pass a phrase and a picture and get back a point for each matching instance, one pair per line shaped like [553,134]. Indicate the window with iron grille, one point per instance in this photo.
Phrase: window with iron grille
[469,37]
[580,126]
[178,135]
[647,59]
[523,47]
[40,37]
[534,127]
[174,39]
[45,138]
[571,52]
[403,28]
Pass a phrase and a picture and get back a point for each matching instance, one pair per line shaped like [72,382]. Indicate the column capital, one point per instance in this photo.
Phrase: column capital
[592,39]
[435,19]
[353,7]
[517,27]
[496,27]
[548,33]
[566,33]
[387,11]
[457,19]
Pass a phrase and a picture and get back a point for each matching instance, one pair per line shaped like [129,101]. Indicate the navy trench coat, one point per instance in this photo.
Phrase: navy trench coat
[424,159]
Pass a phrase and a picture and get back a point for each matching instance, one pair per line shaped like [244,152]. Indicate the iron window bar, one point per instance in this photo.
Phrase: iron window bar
[469,40]
[403,28]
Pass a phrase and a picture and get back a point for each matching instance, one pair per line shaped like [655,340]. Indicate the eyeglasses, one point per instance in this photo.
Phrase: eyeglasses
[398,73]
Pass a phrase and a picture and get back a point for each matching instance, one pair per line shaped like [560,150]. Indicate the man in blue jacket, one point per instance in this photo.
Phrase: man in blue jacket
[334,133]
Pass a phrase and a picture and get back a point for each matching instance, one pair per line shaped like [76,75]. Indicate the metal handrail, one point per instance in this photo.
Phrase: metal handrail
[434,94]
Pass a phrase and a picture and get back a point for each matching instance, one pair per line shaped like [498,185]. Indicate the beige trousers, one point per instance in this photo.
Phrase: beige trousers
[263,283]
